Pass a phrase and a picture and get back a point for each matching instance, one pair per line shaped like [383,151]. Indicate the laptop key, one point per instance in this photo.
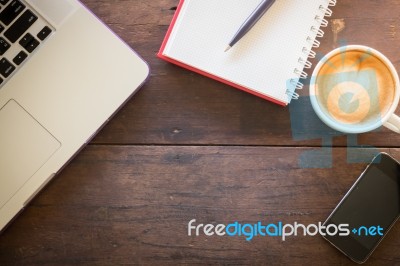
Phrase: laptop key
[44,33]
[6,68]
[32,45]
[26,40]
[1,28]
[29,42]
[20,57]
[21,25]
[11,12]
[4,46]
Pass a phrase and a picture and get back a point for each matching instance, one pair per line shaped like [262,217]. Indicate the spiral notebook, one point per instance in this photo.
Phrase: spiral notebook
[269,61]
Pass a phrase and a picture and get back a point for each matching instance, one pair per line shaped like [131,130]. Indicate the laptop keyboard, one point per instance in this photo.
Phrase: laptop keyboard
[21,33]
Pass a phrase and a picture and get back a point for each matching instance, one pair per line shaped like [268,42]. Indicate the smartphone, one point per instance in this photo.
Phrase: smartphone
[368,211]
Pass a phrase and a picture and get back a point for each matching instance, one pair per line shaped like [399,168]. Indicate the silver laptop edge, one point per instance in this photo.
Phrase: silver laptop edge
[60,96]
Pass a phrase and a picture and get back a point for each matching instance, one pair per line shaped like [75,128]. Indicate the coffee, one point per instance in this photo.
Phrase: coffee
[355,87]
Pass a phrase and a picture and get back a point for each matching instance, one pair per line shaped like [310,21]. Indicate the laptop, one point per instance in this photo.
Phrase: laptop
[63,74]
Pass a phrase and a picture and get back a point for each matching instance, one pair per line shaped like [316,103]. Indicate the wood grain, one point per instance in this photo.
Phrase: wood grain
[187,147]
[131,205]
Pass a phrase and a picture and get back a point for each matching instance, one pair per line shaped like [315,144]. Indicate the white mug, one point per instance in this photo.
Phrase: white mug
[389,119]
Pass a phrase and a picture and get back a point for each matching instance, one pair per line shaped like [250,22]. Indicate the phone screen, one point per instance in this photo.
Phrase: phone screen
[370,208]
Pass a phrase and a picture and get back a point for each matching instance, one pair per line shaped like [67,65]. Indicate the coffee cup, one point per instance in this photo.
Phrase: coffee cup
[356,89]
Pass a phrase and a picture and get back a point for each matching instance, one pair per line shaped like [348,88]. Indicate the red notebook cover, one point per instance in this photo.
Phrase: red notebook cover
[164,44]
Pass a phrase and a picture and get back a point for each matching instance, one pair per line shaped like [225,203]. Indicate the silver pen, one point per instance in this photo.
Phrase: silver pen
[254,17]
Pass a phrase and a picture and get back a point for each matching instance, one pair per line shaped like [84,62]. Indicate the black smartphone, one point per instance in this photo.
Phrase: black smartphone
[368,210]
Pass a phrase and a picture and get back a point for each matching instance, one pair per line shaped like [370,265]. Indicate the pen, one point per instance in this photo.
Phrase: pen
[250,21]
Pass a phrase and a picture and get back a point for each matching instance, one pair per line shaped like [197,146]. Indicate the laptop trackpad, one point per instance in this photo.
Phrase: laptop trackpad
[24,147]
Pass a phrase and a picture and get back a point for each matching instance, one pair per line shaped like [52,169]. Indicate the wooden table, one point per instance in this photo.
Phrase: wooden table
[187,147]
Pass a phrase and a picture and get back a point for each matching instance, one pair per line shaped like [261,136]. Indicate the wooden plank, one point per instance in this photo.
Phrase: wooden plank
[123,205]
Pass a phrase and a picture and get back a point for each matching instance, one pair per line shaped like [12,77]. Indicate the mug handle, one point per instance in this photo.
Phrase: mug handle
[393,123]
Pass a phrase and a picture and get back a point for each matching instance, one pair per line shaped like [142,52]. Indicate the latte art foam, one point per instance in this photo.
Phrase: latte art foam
[355,87]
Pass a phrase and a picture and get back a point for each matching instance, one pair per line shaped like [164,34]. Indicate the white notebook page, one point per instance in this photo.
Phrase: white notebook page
[264,60]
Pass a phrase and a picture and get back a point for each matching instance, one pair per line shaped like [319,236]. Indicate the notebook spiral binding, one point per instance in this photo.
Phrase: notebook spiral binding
[296,84]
